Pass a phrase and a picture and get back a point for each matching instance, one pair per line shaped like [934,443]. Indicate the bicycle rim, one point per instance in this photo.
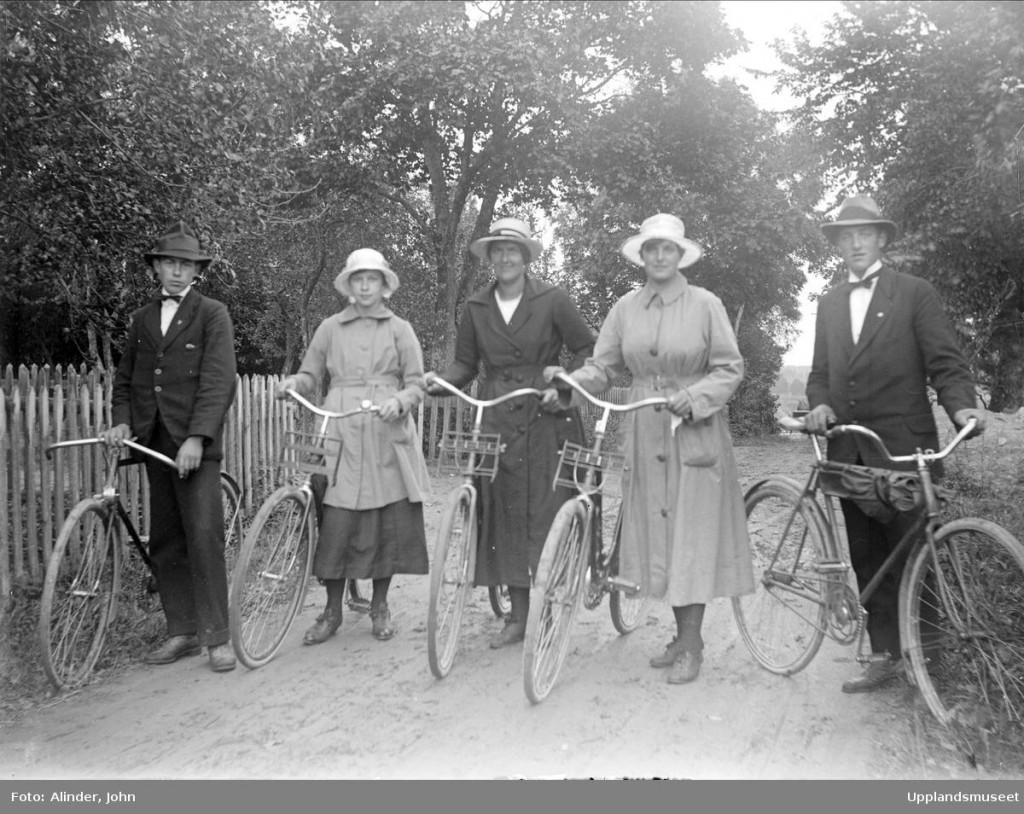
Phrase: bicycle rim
[783,621]
[271,576]
[554,600]
[962,617]
[627,610]
[232,522]
[79,594]
[450,580]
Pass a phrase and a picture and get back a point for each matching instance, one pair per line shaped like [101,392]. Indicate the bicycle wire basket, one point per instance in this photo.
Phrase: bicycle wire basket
[461,453]
[577,461]
[310,453]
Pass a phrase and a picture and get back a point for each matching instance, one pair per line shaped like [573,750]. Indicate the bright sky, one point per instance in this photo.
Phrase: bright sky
[762,23]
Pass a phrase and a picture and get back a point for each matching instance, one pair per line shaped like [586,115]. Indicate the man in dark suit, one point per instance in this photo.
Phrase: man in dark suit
[172,391]
[880,340]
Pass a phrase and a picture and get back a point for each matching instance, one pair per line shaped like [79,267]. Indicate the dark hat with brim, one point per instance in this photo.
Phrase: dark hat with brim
[178,241]
[859,211]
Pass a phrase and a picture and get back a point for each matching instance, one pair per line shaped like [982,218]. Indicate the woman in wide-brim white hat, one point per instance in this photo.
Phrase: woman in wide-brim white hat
[372,523]
[516,327]
[684,534]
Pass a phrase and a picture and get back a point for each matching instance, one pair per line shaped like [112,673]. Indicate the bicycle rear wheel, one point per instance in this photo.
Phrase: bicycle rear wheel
[555,599]
[79,593]
[783,622]
[271,575]
[962,624]
[627,609]
[501,604]
[451,578]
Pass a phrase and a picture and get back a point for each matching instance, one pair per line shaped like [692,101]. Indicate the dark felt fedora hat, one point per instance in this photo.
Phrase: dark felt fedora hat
[859,210]
[178,241]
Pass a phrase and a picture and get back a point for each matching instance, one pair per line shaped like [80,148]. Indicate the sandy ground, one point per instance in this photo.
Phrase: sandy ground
[358,708]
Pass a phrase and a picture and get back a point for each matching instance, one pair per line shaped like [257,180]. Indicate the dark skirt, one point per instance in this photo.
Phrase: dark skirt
[373,543]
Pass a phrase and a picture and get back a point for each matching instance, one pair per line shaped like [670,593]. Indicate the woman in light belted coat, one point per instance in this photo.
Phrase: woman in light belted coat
[372,526]
[516,327]
[684,533]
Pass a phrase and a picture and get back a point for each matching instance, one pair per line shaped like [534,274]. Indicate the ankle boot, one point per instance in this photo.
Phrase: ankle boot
[515,625]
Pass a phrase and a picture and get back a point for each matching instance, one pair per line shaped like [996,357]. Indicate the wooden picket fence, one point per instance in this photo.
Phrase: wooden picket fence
[40,406]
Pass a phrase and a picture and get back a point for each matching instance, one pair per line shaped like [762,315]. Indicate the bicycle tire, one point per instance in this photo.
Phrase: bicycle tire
[83,577]
[231,499]
[501,603]
[967,657]
[627,610]
[783,622]
[451,578]
[271,575]
[555,599]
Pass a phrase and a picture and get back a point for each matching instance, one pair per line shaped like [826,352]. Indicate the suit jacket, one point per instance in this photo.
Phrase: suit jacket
[905,344]
[187,377]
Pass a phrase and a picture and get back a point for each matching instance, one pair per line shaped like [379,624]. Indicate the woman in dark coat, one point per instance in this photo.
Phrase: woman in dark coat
[517,326]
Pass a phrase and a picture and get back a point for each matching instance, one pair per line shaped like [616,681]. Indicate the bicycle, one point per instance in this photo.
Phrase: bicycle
[83,573]
[961,596]
[474,454]
[574,555]
[273,568]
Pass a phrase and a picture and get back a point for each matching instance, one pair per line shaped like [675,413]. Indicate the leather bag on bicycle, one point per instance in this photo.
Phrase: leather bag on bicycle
[879,493]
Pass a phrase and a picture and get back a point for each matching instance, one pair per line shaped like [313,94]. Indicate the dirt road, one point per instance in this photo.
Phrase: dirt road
[358,708]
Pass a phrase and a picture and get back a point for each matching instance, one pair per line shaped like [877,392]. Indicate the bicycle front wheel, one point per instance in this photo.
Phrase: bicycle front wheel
[271,575]
[451,578]
[231,500]
[783,621]
[555,599]
[628,609]
[83,577]
[962,624]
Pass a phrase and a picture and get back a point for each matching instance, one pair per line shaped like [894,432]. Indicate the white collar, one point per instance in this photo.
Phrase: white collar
[872,271]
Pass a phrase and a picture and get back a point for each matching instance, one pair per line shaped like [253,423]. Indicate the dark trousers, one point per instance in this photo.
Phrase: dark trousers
[186,544]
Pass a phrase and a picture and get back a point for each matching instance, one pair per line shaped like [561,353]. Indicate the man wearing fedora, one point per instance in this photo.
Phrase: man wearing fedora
[173,387]
[881,339]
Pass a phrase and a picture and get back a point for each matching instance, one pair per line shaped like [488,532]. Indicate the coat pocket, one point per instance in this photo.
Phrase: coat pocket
[699,443]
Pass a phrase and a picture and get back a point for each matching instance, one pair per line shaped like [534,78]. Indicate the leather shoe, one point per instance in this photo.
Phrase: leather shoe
[511,633]
[382,630]
[221,658]
[876,675]
[668,658]
[172,649]
[326,625]
[686,668]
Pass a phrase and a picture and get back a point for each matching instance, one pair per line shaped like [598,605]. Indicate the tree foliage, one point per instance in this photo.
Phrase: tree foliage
[923,101]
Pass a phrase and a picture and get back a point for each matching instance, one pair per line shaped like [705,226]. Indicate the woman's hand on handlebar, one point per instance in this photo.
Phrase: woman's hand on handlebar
[681,405]
[431,386]
[391,409]
[282,387]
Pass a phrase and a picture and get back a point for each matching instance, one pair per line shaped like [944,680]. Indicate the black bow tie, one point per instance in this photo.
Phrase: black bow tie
[862,283]
[163,297]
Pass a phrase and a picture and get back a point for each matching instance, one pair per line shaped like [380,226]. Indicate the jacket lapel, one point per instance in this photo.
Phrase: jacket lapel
[151,322]
[878,311]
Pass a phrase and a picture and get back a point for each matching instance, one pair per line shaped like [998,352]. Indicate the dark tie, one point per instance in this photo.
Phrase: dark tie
[162,297]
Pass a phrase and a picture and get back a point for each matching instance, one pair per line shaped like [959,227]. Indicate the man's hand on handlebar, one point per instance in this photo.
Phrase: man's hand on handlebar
[820,419]
[431,386]
[961,417]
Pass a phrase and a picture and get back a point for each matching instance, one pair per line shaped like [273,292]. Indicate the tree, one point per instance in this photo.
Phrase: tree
[920,101]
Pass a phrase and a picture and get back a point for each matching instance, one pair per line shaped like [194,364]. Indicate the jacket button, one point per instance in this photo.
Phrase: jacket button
[519,378]
[664,512]
[158,371]
[654,351]
[517,354]
[852,402]
[157,388]
[160,355]
[851,383]
[660,457]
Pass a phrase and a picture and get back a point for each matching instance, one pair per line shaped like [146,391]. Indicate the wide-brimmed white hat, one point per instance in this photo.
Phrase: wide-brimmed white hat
[662,227]
[510,229]
[366,260]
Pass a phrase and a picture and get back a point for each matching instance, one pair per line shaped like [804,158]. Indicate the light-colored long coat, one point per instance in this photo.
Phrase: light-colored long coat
[684,533]
[370,357]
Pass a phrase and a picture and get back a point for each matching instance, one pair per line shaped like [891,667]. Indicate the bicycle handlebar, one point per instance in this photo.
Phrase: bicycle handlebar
[433,378]
[81,442]
[366,406]
[930,456]
[653,401]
